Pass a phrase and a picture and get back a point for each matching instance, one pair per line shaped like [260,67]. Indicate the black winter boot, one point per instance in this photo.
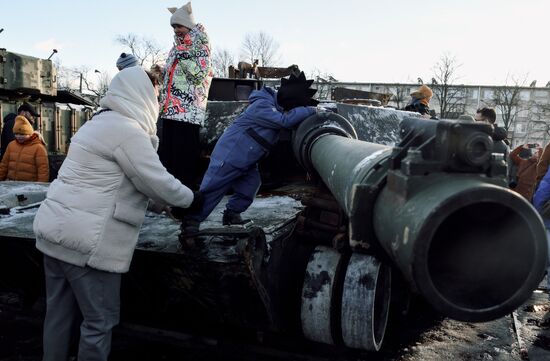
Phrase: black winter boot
[233,218]
[189,227]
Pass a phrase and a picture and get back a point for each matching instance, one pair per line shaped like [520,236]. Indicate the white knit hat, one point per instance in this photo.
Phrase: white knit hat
[183,16]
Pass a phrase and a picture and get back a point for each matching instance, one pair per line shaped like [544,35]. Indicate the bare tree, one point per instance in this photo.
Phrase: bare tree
[324,83]
[65,76]
[449,96]
[260,46]
[399,96]
[537,128]
[507,99]
[100,85]
[147,51]
[82,79]
[221,59]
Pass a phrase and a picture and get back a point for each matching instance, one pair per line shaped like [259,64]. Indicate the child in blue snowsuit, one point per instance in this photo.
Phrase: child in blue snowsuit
[234,160]
[542,195]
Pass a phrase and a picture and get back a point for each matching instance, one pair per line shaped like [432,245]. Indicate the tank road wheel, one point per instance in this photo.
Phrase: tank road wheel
[365,302]
[318,293]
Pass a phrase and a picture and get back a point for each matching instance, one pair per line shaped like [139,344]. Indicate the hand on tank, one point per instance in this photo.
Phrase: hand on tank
[168,211]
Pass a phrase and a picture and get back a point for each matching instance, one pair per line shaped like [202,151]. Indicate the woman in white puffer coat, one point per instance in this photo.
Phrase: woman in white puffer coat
[88,225]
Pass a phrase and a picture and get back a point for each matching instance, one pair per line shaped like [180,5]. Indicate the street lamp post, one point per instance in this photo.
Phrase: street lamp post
[53,52]
[98,85]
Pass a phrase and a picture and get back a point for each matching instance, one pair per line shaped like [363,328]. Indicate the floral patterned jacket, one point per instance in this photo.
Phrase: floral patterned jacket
[187,77]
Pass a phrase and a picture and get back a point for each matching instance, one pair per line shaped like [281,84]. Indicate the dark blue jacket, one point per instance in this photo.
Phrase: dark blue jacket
[542,195]
[263,118]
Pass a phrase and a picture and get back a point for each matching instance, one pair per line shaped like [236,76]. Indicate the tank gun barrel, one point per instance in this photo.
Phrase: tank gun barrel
[438,206]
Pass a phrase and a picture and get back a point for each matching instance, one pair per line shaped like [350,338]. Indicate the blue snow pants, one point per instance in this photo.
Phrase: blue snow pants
[219,178]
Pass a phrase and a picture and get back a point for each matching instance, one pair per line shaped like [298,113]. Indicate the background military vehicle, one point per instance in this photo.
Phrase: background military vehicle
[25,78]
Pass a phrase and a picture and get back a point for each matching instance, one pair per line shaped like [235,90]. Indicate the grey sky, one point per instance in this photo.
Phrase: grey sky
[354,40]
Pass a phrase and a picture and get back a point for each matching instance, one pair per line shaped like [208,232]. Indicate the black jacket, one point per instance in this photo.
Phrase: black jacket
[499,136]
[7,133]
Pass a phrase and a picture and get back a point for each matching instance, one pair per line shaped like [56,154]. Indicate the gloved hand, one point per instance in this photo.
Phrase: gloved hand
[198,201]
[195,206]
[178,212]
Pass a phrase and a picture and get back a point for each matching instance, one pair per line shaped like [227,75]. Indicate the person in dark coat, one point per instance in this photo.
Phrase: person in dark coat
[489,115]
[420,101]
[26,110]
[234,160]
[500,143]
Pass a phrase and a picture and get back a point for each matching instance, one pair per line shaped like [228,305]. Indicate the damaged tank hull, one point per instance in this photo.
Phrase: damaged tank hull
[308,269]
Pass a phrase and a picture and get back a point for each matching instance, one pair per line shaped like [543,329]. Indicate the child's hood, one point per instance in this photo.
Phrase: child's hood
[265,93]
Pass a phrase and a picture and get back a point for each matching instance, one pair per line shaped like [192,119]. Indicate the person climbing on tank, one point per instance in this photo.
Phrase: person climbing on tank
[234,160]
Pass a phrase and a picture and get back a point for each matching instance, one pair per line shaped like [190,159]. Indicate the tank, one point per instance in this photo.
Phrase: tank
[27,74]
[355,200]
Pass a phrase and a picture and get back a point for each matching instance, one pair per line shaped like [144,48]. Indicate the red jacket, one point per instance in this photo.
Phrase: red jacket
[526,173]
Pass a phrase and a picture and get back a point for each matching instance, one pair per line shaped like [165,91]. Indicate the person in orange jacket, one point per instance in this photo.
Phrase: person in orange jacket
[26,158]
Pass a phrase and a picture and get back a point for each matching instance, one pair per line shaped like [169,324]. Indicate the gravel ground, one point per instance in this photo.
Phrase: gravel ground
[419,336]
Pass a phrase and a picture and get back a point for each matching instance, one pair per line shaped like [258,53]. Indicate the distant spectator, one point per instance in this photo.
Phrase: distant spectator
[26,158]
[420,101]
[540,198]
[26,110]
[126,61]
[525,157]
[542,165]
[486,115]
[489,115]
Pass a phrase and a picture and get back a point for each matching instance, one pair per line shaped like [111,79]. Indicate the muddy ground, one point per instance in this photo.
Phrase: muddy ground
[418,336]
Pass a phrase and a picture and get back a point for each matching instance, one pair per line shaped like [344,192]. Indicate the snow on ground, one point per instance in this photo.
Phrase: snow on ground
[158,231]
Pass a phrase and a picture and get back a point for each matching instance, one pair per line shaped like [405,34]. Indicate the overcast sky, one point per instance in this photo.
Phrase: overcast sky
[354,40]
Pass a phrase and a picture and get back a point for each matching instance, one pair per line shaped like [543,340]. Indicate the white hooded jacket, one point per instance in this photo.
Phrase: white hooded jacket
[94,209]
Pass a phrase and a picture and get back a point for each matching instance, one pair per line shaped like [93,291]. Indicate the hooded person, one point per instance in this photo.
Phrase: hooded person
[234,160]
[88,225]
[187,77]
[420,101]
[26,157]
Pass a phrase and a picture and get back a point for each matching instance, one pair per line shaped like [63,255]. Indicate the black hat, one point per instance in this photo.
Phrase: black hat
[295,92]
[29,108]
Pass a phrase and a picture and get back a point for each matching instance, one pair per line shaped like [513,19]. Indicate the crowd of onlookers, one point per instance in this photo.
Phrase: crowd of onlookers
[527,164]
